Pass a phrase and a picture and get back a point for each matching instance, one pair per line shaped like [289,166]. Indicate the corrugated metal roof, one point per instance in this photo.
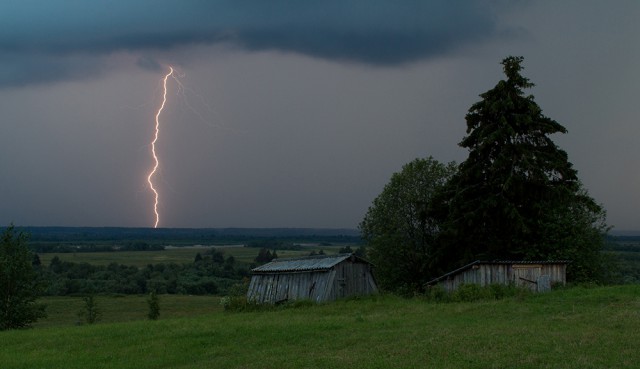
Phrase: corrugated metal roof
[510,262]
[303,264]
[525,262]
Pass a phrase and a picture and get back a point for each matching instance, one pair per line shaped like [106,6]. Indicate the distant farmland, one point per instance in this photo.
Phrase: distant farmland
[177,255]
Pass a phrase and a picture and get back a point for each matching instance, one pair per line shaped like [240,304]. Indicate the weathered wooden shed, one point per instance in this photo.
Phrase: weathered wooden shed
[317,278]
[535,275]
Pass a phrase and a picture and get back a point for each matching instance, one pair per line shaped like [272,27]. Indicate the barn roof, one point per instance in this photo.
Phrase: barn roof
[508,262]
[305,264]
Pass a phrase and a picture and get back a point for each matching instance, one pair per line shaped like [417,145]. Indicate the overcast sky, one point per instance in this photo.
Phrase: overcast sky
[293,113]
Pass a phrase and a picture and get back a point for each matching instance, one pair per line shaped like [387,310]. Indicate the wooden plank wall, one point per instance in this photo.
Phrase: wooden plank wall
[345,279]
[353,279]
[273,288]
[556,272]
[486,274]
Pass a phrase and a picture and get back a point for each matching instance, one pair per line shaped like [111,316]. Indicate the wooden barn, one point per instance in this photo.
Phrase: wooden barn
[535,275]
[317,278]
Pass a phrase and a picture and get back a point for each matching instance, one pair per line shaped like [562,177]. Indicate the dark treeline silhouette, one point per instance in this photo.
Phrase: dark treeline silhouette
[65,248]
[210,273]
[186,236]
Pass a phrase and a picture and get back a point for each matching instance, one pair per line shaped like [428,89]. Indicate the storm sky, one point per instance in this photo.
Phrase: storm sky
[293,113]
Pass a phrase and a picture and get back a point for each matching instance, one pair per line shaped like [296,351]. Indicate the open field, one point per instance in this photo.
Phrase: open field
[179,255]
[63,310]
[574,328]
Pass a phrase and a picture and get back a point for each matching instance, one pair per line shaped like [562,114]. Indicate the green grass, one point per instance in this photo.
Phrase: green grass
[63,311]
[179,255]
[574,328]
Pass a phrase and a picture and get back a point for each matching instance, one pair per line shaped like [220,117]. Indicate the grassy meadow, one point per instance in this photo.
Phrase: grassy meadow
[570,328]
[63,310]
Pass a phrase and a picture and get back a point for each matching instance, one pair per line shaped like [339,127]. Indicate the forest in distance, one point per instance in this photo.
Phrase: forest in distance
[81,261]
[185,236]
[76,260]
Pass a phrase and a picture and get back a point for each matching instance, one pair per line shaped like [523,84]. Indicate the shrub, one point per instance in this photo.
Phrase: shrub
[239,289]
[154,306]
[240,304]
[437,293]
[90,312]
[500,291]
[474,292]
[470,293]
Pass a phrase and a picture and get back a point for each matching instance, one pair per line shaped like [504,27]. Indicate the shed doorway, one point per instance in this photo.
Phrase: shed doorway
[527,275]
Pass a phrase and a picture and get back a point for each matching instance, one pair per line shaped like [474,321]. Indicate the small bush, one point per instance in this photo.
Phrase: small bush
[474,292]
[500,291]
[470,293]
[437,293]
[240,304]
[90,312]
[239,289]
[154,306]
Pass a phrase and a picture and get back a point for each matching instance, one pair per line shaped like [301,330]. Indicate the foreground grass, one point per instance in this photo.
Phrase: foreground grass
[576,328]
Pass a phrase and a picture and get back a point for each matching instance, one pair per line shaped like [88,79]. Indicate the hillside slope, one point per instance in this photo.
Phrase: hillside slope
[575,328]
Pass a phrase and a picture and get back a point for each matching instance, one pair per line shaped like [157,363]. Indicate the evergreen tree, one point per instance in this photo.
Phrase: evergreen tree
[507,197]
[19,287]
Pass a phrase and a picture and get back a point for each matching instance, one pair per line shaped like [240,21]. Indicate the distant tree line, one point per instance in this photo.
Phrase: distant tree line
[265,255]
[210,273]
[274,244]
[185,236]
[623,254]
[361,251]
[70,248]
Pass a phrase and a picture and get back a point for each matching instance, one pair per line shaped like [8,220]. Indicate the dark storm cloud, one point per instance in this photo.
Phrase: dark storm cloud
[46,41]
[148,63]
[17,69]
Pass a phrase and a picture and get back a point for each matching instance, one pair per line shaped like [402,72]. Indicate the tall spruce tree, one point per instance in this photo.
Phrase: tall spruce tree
[511,198]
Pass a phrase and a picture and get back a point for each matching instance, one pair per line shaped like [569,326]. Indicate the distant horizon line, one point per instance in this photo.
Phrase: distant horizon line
[151,227]
[613,232]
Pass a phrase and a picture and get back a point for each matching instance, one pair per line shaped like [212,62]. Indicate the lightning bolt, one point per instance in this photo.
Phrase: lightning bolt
[153,148]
